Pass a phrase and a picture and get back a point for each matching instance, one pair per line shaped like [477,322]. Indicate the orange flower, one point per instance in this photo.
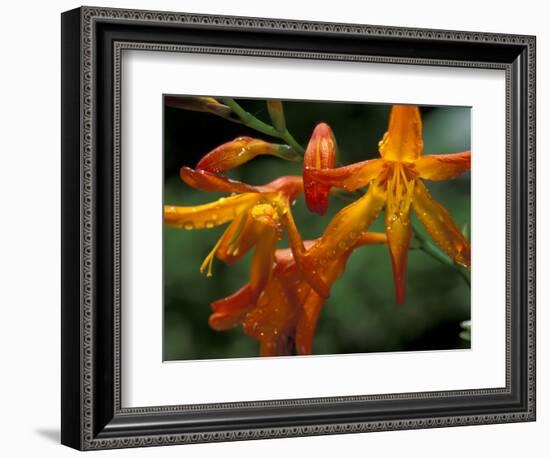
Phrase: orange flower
[284,316]
[396,182]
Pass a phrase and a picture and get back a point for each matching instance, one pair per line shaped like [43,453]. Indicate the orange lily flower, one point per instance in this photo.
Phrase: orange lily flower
[284,316]
[258,215]
[396,182]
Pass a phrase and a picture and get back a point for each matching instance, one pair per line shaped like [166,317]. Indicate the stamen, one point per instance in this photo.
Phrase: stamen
[233,245]
[210,259]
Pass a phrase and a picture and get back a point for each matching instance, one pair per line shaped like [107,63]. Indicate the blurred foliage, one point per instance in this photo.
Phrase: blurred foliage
[361,314]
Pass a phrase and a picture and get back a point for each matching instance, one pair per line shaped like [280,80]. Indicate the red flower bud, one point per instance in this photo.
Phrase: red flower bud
[320,154]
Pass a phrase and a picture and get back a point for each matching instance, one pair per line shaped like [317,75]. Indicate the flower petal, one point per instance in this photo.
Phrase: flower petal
[403,140]
[313,305]
[349,177]
[238,238]
[347,226]
[210,182]
[229,311]
[440,225]
[371,238]
[290,186]
[398,232]
[307,323]
[442,166]
[269,233]
[308,269]
[209,215]
[272,321]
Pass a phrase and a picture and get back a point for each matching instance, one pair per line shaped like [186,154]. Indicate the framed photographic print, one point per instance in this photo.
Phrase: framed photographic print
[278,228]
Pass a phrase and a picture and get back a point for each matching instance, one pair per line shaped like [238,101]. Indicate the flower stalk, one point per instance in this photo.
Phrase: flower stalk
[249,120]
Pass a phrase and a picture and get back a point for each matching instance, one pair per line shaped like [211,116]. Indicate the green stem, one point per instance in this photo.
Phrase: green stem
[251,121]
[428,247]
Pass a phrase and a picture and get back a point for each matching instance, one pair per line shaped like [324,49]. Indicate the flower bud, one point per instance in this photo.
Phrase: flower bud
[275,109]
[320,154]
[202,104]
[241,150]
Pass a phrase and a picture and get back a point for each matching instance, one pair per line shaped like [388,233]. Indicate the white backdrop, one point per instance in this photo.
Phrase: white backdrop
[30,241]
[147,76]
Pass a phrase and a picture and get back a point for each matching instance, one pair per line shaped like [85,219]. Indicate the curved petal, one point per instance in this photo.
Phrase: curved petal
[229,311]
[440,225]
[209,215]
[442,166]
[291,186]
[307,267]
[403,140]
[210,182]
[264,254]
[349,177]
[347,226]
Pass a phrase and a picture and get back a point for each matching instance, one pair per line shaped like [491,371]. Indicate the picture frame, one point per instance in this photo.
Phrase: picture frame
[93,40]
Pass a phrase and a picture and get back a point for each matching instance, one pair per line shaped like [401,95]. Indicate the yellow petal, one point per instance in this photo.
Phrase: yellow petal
[403,140]
[209,215]
[264,254]
[347,226]
[440,225]
[397,221]
[442,166]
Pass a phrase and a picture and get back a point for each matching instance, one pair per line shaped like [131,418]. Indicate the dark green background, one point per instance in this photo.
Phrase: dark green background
[361,314]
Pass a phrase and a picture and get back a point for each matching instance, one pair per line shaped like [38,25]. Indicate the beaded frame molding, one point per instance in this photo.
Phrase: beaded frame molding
[92,42]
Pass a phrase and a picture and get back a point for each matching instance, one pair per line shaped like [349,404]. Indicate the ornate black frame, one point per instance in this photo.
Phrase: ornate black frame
[92,42]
